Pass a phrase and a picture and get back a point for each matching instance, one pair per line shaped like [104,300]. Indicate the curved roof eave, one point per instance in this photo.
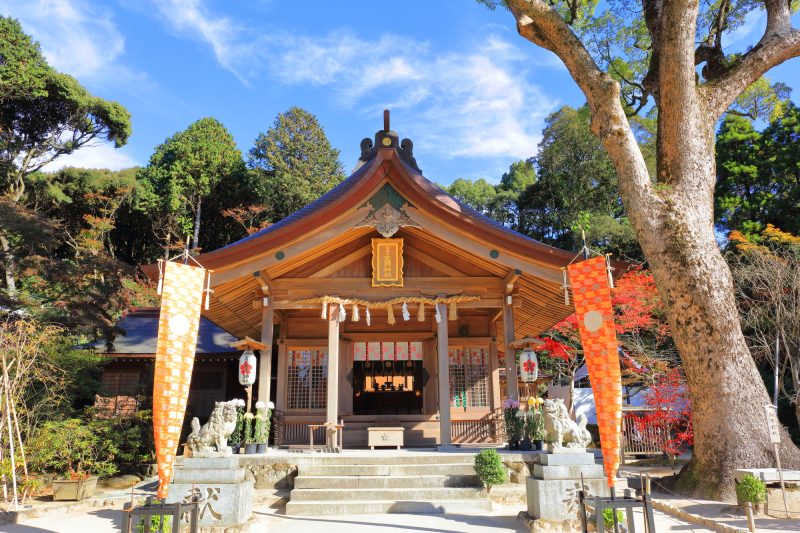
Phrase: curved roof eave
[354,191]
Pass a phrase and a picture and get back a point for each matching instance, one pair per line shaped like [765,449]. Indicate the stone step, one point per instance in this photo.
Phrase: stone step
[401,458]
[385,482]
[317,507]
[454,469]
[405,494]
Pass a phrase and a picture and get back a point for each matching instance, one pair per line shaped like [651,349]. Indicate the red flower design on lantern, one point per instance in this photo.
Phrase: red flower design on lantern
[529,366]
[245,368]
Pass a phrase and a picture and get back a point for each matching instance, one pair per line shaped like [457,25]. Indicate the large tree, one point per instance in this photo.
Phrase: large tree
[183,171]
[293,163]
[669,55]
[44,114]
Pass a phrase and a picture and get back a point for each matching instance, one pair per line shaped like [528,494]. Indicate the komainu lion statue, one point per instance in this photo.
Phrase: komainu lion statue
[561,428]
[212,439]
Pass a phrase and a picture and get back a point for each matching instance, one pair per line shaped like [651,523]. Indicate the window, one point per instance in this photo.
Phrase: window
[307,382]
[119,383]
[469,376]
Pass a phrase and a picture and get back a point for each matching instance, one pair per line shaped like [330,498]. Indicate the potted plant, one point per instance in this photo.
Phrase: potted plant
[753,490]
[237,437]
[534,426]
[76,453]
[513,423]
[250,444]
[262,425]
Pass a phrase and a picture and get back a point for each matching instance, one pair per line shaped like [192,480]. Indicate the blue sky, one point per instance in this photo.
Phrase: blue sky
[470,93]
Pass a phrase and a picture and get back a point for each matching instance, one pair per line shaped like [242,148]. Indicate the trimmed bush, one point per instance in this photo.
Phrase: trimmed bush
[751,489]
[490,468]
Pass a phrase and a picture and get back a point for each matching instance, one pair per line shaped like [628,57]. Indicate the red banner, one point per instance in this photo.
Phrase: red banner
[589,281]
[181,299]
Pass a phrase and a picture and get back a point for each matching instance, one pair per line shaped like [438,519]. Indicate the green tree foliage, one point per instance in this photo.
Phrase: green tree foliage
[182,172]
[293,163]
[758,174]
[43,113]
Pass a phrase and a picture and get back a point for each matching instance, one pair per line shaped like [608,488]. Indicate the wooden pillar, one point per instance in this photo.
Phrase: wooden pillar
[512,388]
[444,378]
[332,404]
[265,366]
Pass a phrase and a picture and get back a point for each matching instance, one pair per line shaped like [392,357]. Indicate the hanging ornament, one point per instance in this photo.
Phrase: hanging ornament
[369,318]
[390,316]
[452,311]
[356,316]
[406,314]
[438,314]
[342,313]
[565,287]
[421,312]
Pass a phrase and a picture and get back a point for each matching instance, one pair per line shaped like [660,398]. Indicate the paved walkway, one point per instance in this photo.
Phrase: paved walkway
[501,520]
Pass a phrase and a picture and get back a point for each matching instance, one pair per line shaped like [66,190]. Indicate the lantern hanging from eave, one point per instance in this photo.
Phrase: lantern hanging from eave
[247,368]
[528,365]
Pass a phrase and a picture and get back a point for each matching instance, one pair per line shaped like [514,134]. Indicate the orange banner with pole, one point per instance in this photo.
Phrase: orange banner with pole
[592,295]
[182,292]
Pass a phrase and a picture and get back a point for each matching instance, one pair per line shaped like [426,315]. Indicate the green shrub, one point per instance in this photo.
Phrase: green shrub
[751,489]
[490,468]
[158,524]
[608,518]
[71,448]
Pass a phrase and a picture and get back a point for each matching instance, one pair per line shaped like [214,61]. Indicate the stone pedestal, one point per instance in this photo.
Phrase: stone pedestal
[552,491]
[225,496]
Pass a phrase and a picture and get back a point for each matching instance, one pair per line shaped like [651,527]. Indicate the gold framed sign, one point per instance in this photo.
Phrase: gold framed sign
[387,262]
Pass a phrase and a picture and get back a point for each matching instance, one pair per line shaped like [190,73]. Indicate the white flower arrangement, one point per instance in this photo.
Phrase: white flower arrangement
[260,405]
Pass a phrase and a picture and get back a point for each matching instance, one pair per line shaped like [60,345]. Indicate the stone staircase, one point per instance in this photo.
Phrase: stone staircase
[403,483]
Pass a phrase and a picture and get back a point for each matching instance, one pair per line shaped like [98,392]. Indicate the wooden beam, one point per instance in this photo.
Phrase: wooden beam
[510,279]
[332,403]
[431,261]
[265,368]
[483,303]
[444,378]
[512,387]
[466,284]
[344,261]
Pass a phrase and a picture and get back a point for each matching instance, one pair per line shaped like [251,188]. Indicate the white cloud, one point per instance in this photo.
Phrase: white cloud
[227,39]
[76,38]
[478,102]
[98,156]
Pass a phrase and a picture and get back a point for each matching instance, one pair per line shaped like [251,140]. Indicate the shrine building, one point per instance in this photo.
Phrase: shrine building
[334,293]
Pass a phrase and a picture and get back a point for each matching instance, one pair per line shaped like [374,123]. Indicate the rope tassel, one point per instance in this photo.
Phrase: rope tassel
[342,313]
[421,312]
[369,318]
[452,313]
[324,314]
[390,317]
[356,316]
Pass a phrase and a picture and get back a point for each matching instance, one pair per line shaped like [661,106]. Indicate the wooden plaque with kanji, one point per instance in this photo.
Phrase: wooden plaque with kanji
[387,262]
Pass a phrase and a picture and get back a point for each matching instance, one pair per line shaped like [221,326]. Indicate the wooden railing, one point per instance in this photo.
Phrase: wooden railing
[487,429]
[642,435]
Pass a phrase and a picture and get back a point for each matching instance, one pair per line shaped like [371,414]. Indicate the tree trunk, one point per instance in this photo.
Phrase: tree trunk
[196,238]
[726,390]
[571,406]
[11,284]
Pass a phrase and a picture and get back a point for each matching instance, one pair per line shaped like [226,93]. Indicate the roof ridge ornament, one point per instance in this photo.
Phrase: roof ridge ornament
[387,138]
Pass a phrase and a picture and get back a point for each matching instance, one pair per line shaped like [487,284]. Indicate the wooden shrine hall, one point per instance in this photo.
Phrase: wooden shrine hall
[387,302]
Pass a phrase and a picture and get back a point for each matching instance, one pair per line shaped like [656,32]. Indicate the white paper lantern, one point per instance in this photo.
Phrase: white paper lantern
[528,365]
[247,368]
